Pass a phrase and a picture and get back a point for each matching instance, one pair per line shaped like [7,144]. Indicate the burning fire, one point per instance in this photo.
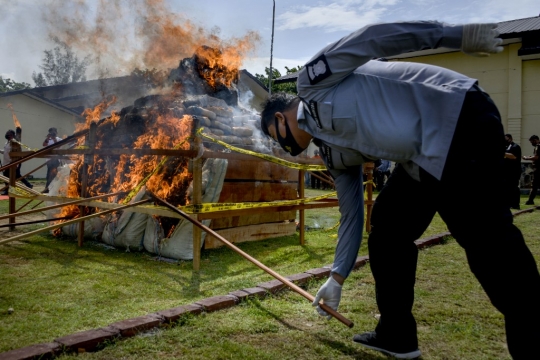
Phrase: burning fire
[146,35]
[15,120]
[161,130]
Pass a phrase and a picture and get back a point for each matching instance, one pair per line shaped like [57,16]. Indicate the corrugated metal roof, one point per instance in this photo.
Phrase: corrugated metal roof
[518,26]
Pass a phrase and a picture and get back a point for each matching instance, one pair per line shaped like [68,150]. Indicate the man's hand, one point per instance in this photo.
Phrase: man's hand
[330,294]
[481,39]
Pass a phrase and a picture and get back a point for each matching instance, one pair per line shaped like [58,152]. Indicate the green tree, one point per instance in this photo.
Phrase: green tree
[61,66]
[9,85]
[289,87]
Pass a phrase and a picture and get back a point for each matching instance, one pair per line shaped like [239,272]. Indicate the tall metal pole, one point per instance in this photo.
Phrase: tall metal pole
[271,49]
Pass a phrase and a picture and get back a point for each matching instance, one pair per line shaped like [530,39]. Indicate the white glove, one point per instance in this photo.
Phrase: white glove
[330,294]
[481,39]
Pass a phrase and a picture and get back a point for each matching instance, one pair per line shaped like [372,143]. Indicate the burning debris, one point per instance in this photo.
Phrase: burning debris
[200,92]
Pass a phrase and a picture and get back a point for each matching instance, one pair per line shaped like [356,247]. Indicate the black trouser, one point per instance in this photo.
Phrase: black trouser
[52,170]
[511,188]
[495,248]
[535,185]
[18,175]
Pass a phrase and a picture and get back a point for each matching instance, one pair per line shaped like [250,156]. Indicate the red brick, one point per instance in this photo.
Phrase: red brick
[88,340]
[216,303]
[300,278]
[272,286]
[39,351]
[430,241]
[172,315]
[133,326]
[319,273]
[256,292]
[361,261]
[241,295]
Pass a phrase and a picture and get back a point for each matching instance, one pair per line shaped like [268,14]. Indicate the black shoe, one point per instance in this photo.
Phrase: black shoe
[399,351]
[46,191]
[529,203]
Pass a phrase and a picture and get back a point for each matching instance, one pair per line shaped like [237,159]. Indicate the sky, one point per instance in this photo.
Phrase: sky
[120,34]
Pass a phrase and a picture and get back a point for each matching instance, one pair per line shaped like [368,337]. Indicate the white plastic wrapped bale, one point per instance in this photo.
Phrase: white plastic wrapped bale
[180,244]
[126,230]
[153,235]
[58,187]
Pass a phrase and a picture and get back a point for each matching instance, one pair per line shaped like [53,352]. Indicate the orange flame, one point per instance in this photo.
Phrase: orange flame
[145,35]
[15,120]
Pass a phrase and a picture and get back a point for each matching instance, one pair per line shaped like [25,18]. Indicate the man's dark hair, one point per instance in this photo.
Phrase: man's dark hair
[10,132]
[534,137]
[509,136]
[277,102]
[53,129]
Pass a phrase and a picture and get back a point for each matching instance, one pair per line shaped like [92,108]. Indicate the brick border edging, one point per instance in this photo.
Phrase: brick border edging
[91,340]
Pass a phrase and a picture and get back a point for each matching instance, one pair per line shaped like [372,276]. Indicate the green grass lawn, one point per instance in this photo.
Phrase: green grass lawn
[56,289]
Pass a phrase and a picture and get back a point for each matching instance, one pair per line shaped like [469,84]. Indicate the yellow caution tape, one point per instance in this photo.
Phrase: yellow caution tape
[214,207]
[21,192]
[23,145]
[365,190]
[267,157]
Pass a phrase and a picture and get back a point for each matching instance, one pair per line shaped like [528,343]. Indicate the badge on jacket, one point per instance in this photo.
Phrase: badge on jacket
[318,70]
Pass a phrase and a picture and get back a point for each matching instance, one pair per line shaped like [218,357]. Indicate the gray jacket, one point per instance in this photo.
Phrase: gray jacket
[360,109]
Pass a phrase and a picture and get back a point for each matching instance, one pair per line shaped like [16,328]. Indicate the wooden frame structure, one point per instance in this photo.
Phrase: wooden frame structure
[196,164]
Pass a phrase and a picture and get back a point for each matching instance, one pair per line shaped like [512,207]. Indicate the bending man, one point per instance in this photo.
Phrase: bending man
[428,120]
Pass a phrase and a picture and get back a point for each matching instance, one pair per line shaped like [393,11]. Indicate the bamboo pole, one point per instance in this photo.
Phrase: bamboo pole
[324,178]
[12,200]
[88,160]
[44,150]
[60,205]
[36,221]
[69,222]
[197,199]
[25,175]
[301,213]
[268,270]
[369,190]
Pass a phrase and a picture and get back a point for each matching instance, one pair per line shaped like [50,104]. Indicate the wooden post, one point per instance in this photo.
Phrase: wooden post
[368,169]
[88,160]
[12,180]
[12,200]
[197,199]
[301,213]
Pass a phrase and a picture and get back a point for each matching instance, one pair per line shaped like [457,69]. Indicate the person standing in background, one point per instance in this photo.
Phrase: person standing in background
[12,136]
[512,172]
[535,141]
[52,164]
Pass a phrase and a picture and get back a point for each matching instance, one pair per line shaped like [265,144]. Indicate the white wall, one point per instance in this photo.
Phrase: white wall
[36,117]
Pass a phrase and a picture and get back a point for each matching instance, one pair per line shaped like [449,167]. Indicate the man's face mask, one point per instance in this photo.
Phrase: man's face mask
[288,143]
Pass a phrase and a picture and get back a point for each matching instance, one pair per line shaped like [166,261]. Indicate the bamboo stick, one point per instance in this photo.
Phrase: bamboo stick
[44,150]
[69,222]
[35,221]
[268,270]
[60,205]
[301,212]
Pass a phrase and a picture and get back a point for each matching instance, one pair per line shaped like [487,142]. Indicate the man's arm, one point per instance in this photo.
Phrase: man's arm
[336,61]
[350,189]
[351,206]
